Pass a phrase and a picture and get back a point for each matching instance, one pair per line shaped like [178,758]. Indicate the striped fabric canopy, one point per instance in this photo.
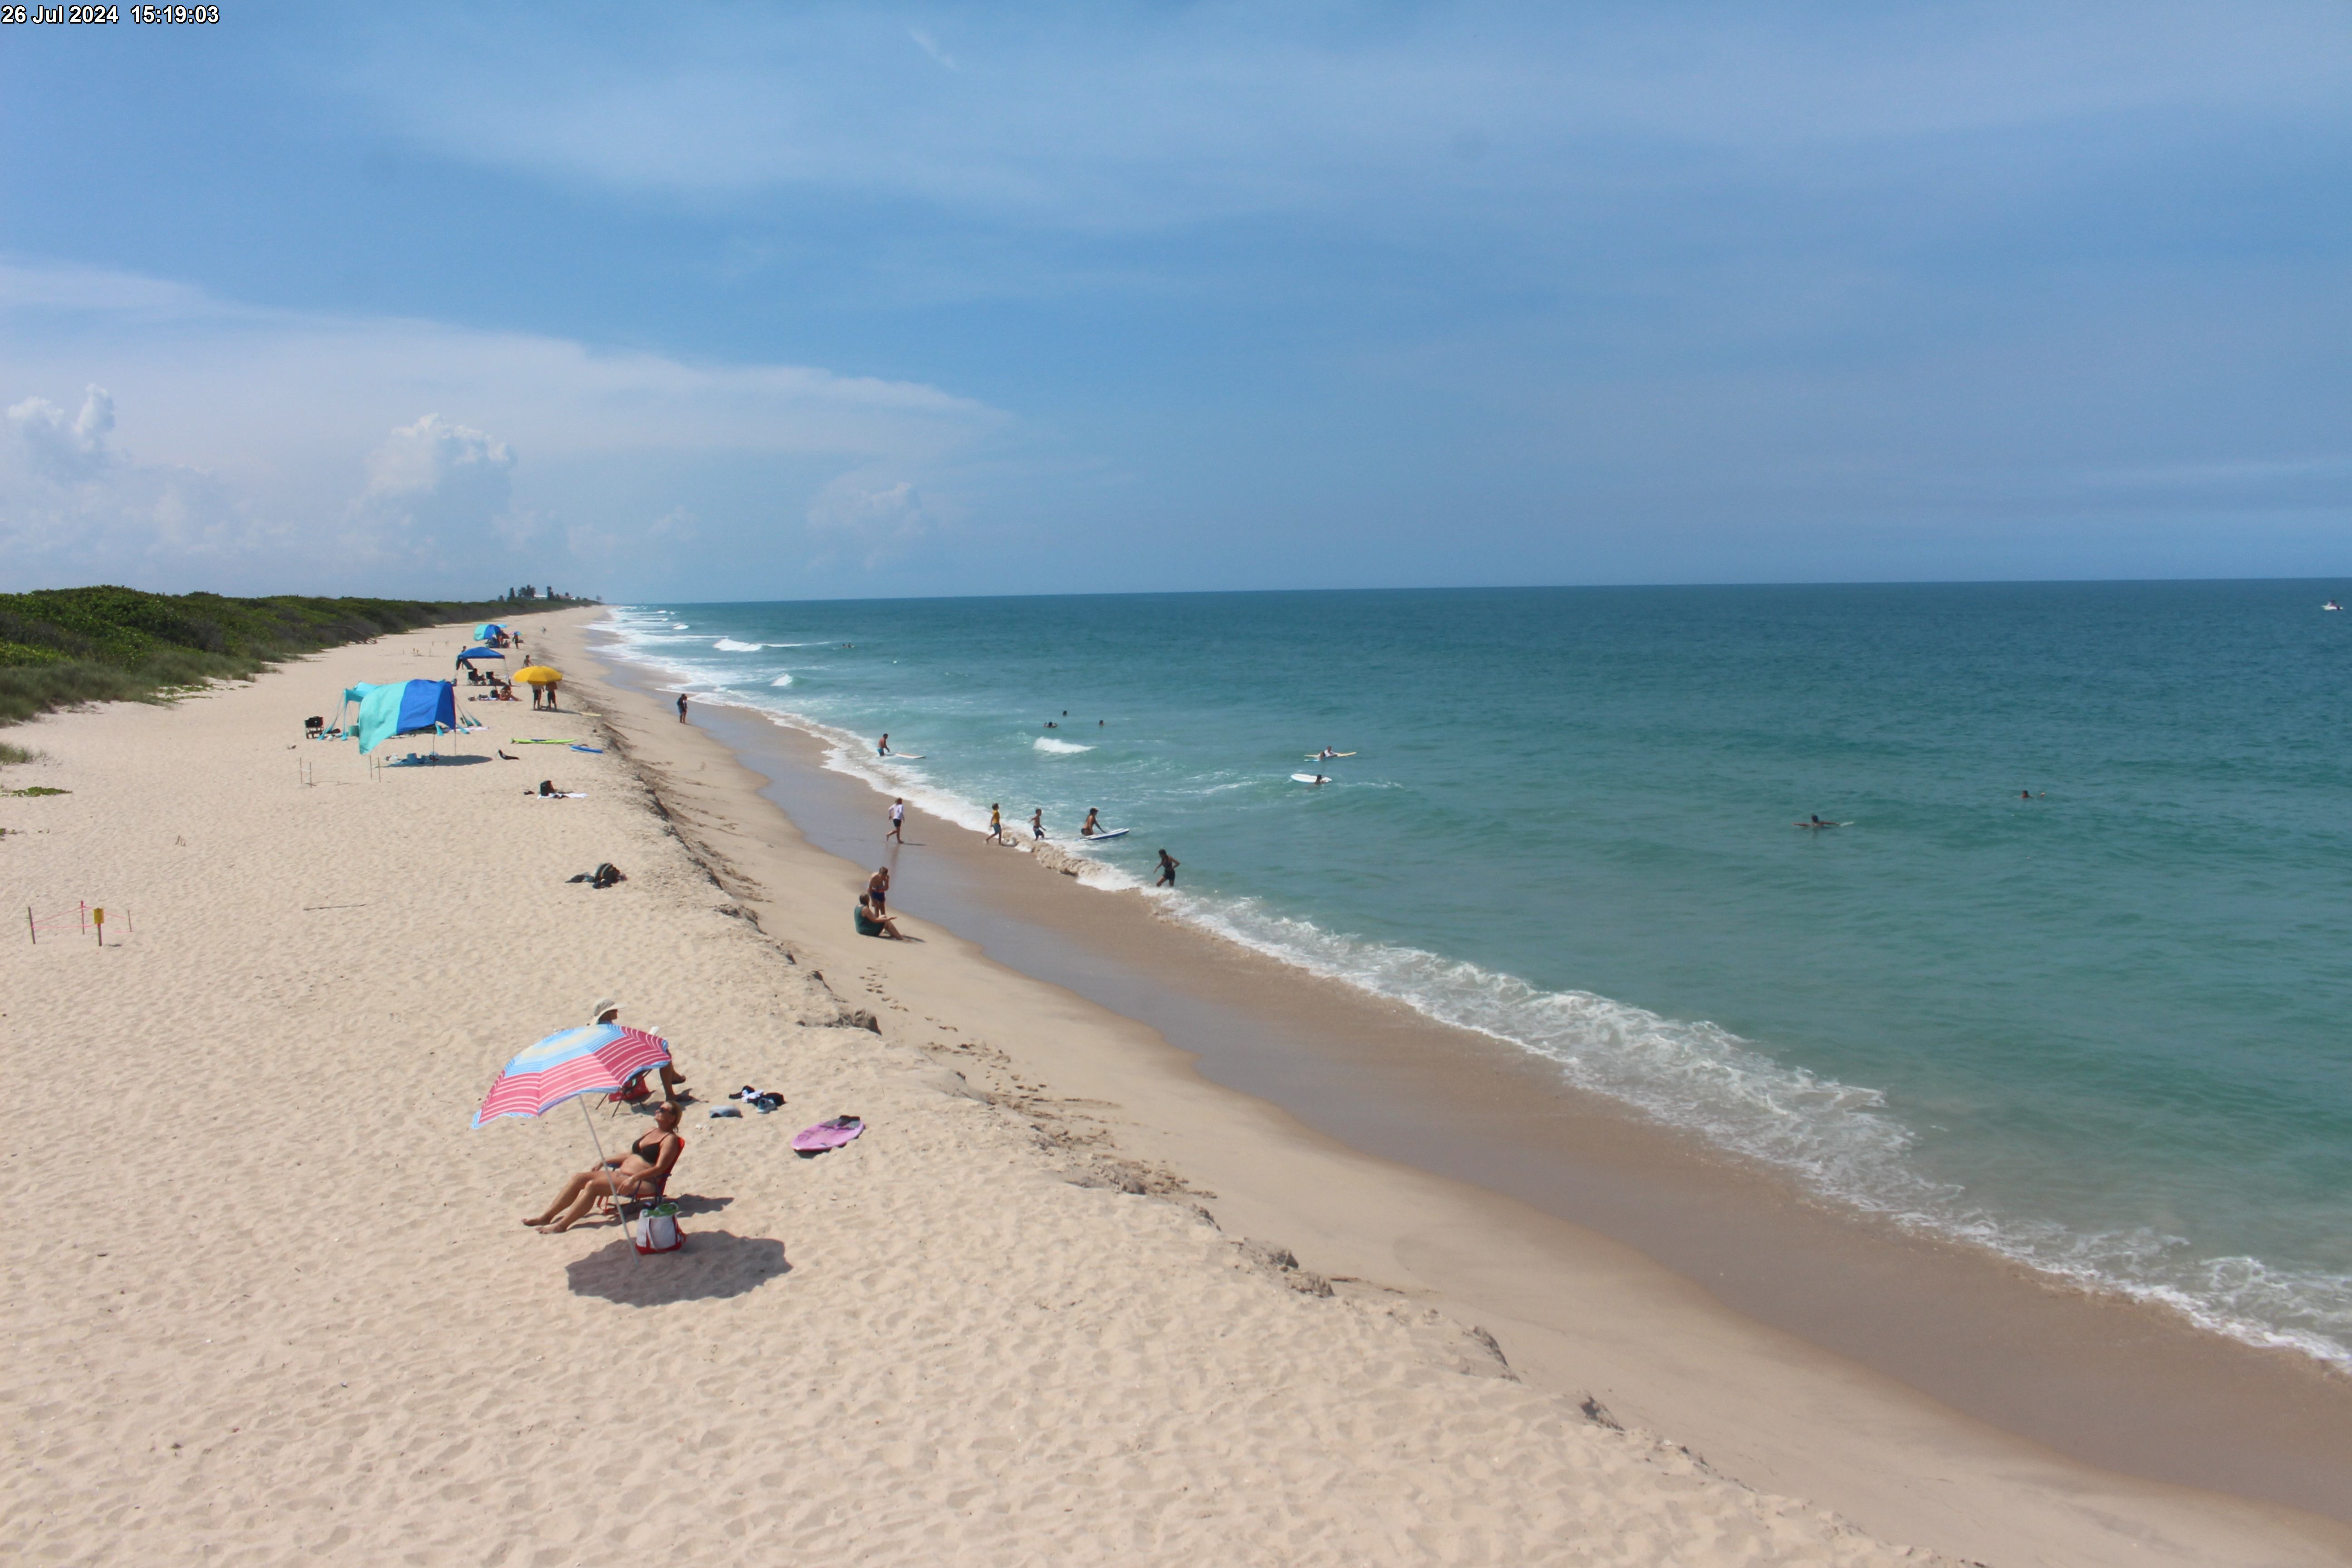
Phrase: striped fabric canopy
[595,1059]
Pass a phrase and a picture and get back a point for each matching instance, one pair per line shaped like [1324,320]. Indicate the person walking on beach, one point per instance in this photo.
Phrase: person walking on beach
[996,822]
[1168,864]
[1037,822]
[877,889]
[898,821]
[681,707]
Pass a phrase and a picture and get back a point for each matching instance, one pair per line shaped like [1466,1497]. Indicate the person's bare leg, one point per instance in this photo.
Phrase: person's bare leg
[570,1190]
[671,1082]
[590,1193]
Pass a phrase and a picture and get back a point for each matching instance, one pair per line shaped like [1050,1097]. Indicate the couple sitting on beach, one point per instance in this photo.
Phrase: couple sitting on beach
[873,908]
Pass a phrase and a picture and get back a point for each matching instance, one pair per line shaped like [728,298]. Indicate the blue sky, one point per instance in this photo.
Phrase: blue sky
[751,301]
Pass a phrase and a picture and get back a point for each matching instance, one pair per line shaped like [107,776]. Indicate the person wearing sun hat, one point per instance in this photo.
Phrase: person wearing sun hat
[608,1011]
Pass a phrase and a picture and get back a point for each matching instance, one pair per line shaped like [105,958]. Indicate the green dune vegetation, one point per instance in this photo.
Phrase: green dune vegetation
[63,646]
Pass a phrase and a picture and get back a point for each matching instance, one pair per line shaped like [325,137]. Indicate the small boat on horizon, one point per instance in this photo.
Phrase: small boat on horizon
[2331,604]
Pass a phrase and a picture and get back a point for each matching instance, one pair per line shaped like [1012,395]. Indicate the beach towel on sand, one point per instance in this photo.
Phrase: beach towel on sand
[827,1135]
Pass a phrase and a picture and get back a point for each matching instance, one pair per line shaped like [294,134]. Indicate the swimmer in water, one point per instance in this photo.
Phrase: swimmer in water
[883,750]
[1091,825]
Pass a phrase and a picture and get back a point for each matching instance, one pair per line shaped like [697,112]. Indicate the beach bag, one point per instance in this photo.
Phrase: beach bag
[655,1229]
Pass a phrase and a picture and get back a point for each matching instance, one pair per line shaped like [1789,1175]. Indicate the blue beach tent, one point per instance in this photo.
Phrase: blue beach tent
[487,630]
[472,654]
[401,708]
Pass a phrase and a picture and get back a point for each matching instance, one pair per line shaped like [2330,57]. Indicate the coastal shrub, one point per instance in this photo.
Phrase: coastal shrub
[9,754]
[59,646]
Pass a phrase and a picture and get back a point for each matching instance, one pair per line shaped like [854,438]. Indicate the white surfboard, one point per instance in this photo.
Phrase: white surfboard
[1311,778]
[900,757]
[1105,833]
[1320,757]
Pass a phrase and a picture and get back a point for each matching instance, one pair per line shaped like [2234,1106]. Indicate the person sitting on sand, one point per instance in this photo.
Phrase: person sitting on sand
[673,1086]
[639,1172]
[872,921]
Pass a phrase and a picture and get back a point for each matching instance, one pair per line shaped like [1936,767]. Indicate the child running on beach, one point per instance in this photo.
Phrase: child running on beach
[898,821]
[996,823]
[1168,864]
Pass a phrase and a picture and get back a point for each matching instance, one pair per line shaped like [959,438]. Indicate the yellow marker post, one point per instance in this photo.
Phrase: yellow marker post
[98,919]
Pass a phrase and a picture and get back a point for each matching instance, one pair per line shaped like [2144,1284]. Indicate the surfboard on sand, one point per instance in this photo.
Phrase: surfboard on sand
[1105,833]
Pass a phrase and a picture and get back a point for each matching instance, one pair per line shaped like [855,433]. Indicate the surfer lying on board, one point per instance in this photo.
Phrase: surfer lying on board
[1817,822]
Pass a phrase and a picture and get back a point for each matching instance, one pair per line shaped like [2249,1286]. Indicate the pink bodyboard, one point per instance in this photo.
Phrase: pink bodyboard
[826,1135]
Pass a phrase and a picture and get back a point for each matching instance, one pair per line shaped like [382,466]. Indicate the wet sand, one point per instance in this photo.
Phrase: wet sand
[2101,1392]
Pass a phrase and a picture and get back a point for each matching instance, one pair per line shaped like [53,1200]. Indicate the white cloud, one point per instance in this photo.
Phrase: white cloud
[878,515]
[431,485]
[61,450]
[280,450]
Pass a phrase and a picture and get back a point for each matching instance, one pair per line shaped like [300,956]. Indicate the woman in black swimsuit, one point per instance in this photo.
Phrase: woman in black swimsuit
[641,1171]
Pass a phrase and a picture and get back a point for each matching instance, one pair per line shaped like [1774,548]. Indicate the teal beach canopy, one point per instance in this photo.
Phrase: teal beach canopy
[401,708]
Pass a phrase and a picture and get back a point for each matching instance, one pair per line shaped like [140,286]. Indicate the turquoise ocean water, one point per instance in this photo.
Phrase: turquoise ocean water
[2102,1030]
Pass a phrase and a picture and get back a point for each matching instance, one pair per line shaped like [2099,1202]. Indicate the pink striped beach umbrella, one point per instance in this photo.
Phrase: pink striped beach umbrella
[595,1059]
[573,1064]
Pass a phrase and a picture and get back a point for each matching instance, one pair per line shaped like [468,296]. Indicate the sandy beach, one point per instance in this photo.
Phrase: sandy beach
[1066,1299]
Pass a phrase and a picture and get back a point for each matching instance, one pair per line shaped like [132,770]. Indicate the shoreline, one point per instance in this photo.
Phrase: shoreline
[2000,1351]
[984,1333]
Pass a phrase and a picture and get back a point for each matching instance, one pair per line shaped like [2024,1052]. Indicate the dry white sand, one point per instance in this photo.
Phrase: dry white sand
[270,1301]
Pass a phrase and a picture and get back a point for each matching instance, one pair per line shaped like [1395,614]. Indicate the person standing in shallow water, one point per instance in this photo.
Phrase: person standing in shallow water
[1168,864]
[1037,822]
[995,822]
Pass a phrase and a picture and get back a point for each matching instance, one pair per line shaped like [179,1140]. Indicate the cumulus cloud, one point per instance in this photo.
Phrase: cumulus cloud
[870,512]
[431,482]
[65,451]
[282,449]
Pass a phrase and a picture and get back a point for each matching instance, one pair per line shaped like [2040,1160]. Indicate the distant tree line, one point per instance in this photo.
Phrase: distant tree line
[63,646]
[527,595]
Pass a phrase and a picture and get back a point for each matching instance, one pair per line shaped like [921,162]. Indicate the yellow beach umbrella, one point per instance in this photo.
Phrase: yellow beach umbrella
[538,675]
